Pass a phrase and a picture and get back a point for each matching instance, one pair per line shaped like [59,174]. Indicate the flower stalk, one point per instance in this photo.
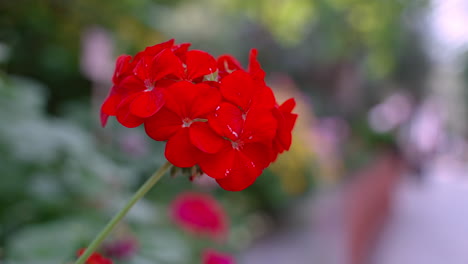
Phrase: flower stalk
[116,219]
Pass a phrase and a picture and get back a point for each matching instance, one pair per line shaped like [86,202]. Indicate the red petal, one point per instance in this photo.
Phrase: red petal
[227,121]
[291,120]
[235,169]
[198,80]
[238,182]
[212,84]
[147,103]
[241,175]
[180,97]
[206,101]
[130,84]
[110,105]
[284,140]
[163,125]
[259,155]
[254,68]
[260,125]
[218,165]
[124,116]
[227,64]
[180,151]
[127,119]
[238,88]
[153,50]
[156,49]
[104,117]
[243,90]
[264,98]
[286,122]
[122,68]
[166,63]
[276,150]
[205,139]
[165,83]
[142,67]
[284,134]
[192,101]
[180,50]
[288,105]
[199,63]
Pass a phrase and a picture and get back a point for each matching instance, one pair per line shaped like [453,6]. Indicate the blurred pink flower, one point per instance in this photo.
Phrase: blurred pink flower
[97,59]
[121,248]
[211,256]
[134,144]
[200,214]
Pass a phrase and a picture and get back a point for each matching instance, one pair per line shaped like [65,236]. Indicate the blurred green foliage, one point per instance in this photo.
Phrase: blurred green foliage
[59,187]
[44,37]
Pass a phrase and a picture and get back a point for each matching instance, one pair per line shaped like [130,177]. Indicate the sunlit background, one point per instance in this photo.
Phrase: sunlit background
[378,170]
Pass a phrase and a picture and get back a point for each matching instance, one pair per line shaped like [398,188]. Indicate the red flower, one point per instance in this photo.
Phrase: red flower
[247,146]
[229,123]
[139,84]
[211,256]
[200,214]
[247,125]
[95,258]
[133,96]
[183,122]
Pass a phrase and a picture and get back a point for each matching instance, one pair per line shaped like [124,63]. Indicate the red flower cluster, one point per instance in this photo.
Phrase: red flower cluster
[95,258]
[200,214]
[212,113]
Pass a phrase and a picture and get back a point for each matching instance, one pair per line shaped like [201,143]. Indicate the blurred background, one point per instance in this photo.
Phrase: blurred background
[378,168]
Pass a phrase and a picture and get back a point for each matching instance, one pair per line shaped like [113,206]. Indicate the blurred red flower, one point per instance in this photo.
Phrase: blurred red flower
[211,256]
[95,258]
[200,214]
[213,113]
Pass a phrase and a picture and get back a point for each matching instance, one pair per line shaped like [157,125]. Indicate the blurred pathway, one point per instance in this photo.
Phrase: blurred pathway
[428,224]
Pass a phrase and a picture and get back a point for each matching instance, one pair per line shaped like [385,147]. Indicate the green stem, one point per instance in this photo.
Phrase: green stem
[114,221]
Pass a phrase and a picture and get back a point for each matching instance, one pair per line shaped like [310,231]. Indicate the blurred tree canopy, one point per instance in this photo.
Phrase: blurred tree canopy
[299,37]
